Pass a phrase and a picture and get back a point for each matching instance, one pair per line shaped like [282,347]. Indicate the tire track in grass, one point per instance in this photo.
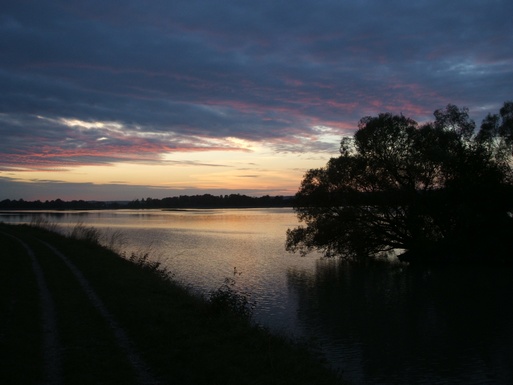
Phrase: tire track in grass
[141,369]
[51,344]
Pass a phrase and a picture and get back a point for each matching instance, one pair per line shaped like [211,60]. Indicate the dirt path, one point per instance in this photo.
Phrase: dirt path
[51,345]
[142,370]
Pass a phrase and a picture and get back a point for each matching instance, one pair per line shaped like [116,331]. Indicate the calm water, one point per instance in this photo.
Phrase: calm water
[377,326]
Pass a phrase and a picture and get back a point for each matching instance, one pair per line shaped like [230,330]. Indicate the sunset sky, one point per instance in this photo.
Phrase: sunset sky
[118,100]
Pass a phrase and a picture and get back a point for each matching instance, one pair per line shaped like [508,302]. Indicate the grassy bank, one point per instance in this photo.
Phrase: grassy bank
[184,339]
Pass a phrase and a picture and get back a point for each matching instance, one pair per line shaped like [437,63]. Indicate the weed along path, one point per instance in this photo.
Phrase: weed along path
[73,312]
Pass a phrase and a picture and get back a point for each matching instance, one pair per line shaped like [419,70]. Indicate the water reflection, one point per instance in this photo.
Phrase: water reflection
[401,326]
[29,216]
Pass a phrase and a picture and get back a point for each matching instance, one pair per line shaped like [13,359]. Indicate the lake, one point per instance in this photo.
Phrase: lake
[379,325]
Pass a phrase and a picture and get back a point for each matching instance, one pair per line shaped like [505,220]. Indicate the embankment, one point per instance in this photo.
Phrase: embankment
[115,321]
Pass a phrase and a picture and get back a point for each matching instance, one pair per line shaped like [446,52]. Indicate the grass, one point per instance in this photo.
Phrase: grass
[185,339]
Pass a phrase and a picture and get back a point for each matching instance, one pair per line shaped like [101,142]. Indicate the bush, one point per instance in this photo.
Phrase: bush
[86,233]
[228,298]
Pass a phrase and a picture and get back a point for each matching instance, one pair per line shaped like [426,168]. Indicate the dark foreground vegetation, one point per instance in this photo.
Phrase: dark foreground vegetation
[182,201]
[184,339]
[441,191]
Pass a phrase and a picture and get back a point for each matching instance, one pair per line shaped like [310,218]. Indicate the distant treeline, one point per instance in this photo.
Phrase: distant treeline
[212,201]
[58,204]
[183,201]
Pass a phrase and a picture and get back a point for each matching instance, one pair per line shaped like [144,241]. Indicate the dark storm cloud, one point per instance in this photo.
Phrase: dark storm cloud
[169,71]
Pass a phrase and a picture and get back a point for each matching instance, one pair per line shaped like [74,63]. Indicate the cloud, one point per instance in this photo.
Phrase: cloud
[142,79]
[29,142]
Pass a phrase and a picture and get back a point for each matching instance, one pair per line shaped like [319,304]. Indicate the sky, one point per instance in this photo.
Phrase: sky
[120,100]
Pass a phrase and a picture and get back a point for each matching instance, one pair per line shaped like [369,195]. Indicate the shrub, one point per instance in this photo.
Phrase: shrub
[228,298]
[86,233]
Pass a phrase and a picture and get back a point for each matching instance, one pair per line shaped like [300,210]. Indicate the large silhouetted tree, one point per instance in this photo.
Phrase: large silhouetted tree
[438,191]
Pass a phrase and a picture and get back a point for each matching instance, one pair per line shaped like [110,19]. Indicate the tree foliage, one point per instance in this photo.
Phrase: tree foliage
[436,191]
[182,201]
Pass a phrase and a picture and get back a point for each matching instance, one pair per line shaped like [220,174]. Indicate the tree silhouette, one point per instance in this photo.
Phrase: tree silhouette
[437,191]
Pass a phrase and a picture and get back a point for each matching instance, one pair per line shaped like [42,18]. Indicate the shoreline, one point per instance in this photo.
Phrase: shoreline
[184,338]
